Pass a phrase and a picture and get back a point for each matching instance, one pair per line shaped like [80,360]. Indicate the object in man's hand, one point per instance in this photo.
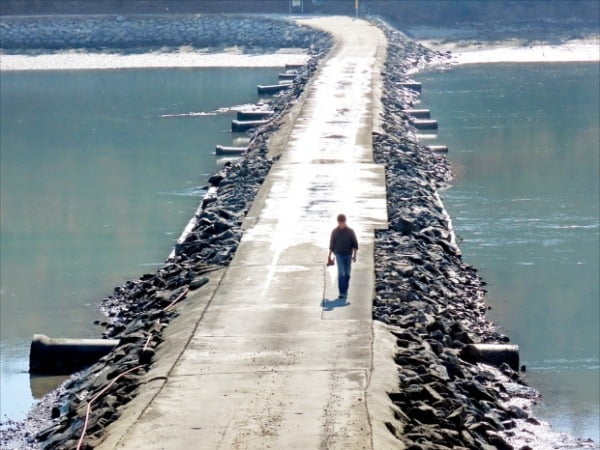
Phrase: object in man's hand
[330,261]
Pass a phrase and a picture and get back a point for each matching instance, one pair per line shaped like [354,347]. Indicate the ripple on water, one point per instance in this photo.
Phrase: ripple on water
[565,364]
[195,191]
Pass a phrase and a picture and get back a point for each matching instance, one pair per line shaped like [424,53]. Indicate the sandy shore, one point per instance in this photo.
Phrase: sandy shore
[511,46]
[513,51]
[81,60]
[136,42]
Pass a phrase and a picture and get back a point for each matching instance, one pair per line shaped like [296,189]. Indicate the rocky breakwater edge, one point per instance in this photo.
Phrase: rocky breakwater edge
[139,311]
[41,34]
[433,302]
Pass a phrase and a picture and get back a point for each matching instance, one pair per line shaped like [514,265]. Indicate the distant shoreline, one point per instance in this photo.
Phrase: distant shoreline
[587,50]
[136,42]
[461,52]
[507,45]
[462,45]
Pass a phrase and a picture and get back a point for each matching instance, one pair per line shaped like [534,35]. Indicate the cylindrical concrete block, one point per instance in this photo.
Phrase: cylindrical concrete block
[493,354]
[412,85]
[288,75]
[418,113]
[424,124]
[438,148]
[243,125]
[222,150]
[49,356]
[272,88]
[253,115]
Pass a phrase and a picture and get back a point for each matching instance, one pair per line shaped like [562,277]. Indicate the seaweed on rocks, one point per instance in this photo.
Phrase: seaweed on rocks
[431,300]
[138,311]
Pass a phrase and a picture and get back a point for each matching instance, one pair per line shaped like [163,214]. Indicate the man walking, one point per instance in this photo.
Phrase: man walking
[344,245]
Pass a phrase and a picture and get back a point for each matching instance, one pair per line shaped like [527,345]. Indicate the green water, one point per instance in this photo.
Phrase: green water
[95,188]
[524,143]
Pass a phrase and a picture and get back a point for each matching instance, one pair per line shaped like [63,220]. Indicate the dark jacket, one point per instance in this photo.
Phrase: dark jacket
[342,242]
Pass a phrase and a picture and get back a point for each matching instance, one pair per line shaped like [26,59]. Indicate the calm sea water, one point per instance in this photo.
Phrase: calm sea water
[524,142]
[96,186]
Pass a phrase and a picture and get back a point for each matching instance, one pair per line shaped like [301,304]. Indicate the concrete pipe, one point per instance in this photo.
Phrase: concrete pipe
[438,148]
[48,356]
[493,354]
[222,150]
[412,85]
[272,88]
[287,75]
[423,137]
[424,124]
[418,113]
[243,125]
[254,115]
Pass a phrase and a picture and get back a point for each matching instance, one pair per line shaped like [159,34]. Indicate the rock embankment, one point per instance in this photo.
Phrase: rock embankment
[431,299]
[120,32]
[140,310]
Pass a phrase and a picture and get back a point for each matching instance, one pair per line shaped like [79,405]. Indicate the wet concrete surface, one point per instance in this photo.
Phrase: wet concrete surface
[276,360]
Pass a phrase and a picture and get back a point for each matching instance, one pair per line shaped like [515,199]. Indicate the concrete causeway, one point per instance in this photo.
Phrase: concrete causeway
[274,360]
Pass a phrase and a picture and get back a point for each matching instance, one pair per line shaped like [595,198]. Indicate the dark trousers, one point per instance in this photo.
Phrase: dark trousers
[344,266]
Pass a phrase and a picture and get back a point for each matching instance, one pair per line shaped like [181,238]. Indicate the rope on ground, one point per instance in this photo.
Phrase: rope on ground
[148,341]
[96,397]
[133,369]
[179,298]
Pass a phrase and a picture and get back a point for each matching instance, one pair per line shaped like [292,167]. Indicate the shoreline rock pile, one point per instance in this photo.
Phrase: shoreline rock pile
[431,299]
[18,33]
[140,310]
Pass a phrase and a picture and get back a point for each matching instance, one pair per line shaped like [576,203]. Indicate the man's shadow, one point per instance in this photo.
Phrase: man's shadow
[330,305]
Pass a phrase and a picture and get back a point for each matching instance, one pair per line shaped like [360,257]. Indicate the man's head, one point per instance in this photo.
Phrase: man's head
[341,219]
